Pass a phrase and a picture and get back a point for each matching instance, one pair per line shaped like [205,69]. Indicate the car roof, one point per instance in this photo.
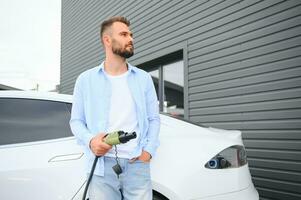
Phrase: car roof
[52,96]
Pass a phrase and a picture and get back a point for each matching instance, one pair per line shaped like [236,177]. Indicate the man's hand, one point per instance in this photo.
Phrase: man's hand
[98,146]
[145,156]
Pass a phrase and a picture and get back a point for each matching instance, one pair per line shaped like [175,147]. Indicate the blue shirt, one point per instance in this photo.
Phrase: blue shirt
[91,107]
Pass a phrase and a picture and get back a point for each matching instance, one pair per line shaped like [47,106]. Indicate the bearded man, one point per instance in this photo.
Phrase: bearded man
[111,97]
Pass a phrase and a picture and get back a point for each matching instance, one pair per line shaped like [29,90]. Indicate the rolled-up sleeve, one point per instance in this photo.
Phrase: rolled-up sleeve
[78,120]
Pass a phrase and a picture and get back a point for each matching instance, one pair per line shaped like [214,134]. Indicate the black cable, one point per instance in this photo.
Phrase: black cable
[90,177]
[122,138]
[117,161]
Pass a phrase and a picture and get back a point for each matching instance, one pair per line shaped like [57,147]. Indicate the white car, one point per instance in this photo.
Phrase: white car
[40,158]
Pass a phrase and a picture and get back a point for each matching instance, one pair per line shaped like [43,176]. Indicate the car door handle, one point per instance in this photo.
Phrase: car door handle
[66,157]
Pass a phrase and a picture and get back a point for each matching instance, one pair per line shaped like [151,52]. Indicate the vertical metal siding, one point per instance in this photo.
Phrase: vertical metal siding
[242,62]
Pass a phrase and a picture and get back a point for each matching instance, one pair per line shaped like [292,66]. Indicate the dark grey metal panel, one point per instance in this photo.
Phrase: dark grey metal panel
[250,98]
[242,69]
[247,75]
[248,80]
[249,89]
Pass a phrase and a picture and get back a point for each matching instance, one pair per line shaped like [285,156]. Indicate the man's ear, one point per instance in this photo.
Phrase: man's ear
[106,39]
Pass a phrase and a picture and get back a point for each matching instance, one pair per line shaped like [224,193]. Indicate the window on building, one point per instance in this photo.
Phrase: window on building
[169,83]
[173,76]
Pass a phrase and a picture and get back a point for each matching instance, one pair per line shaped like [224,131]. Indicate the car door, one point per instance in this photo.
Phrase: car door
[39,156]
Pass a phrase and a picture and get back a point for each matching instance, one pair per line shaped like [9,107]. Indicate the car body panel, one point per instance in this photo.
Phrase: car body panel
[55,169]
[36,95]
[190,147]
[26,171]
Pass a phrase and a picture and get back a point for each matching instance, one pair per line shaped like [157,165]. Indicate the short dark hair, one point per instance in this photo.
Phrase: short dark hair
[108,23]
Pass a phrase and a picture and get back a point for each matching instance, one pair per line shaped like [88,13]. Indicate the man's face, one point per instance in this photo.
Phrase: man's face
[122,40]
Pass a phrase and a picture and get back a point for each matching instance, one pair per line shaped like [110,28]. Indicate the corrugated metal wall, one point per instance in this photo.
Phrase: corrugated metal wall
[242,65]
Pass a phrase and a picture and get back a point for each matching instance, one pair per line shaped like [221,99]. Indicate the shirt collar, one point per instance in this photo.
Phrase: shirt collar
[131,68]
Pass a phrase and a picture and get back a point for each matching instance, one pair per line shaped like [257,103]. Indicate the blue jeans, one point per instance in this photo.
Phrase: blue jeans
[134,181]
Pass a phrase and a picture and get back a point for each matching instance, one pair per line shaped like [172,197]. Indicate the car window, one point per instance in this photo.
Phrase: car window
[29,120]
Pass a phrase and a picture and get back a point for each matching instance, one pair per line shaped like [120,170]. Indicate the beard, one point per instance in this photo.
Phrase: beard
[122,52]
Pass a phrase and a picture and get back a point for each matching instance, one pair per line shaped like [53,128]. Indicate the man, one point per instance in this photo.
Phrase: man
[111,97]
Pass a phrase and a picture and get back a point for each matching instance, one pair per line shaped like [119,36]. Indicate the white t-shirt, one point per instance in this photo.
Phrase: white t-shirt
[122,116]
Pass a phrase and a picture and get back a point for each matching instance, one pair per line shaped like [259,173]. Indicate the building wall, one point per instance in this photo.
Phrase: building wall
[242,69]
